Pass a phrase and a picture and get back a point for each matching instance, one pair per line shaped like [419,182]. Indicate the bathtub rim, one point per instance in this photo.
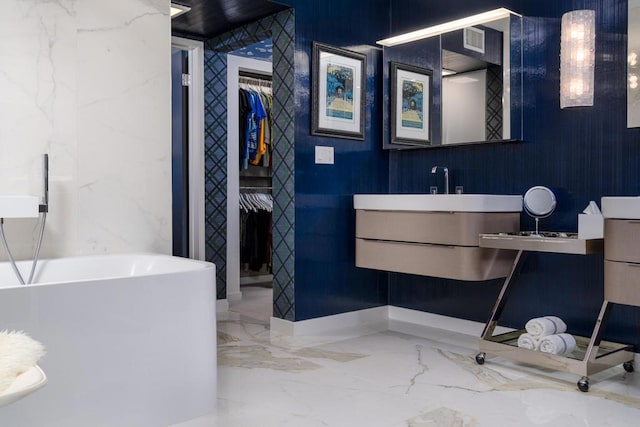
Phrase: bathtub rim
[197,266]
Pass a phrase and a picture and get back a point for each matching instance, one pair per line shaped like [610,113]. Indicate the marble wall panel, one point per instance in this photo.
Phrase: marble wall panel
[88,83]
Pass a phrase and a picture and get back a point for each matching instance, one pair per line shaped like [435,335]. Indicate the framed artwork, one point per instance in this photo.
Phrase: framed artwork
[338,92]
[410,104]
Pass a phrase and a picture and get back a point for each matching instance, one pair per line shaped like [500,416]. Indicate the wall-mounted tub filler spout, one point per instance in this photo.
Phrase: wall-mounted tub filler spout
[43,208]
[446,177]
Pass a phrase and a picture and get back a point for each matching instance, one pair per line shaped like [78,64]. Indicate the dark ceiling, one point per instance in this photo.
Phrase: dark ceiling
[210,18]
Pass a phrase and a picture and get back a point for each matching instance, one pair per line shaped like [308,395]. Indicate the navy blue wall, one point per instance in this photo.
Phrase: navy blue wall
[327,281]
[581,153]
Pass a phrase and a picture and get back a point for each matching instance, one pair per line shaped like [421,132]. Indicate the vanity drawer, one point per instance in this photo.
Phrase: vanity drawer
[622,240]
[444,228]
[450,262]
[622,282]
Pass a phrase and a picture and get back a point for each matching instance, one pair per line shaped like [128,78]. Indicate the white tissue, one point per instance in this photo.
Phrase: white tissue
[591,222]
[592,209]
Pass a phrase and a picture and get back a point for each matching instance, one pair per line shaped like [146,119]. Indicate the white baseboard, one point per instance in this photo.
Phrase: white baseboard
[376,320]
[359,322]
[399,315]
[234,296]
[222,306]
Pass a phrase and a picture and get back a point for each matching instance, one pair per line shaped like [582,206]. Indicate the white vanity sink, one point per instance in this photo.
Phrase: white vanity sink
[621,207]
[438,202]
[19,206]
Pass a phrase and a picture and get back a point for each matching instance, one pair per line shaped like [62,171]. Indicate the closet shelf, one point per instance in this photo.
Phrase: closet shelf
[257,187]
[256,172]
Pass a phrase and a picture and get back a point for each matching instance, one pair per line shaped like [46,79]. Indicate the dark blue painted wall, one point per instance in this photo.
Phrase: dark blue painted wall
[327,281]
[581,153]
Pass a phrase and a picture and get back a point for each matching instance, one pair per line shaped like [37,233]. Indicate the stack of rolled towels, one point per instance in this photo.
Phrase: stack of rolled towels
[547,334]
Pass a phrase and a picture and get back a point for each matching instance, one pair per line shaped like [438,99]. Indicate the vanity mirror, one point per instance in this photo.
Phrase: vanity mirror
[539,202]
[477,85]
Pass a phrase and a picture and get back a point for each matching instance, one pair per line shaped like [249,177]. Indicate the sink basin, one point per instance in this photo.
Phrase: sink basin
[438,202]
[621,207]
[19,206]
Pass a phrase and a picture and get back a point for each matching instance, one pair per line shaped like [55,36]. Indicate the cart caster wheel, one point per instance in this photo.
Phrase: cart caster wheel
[583,384]
[628,366]
[480,358]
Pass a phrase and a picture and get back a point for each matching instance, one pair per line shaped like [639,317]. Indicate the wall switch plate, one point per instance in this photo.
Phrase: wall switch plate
[324,155]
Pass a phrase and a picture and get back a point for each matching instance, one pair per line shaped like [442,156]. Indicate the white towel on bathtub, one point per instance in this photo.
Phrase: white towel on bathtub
[18,353]
[547,325]
[558,344]
[528,341]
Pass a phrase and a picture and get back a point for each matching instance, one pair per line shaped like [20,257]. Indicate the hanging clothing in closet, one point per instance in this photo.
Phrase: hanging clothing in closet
[255,231]
[256,125]
[264,134]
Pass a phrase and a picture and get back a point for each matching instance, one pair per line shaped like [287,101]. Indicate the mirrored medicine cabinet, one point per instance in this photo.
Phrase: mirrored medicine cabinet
[476,93]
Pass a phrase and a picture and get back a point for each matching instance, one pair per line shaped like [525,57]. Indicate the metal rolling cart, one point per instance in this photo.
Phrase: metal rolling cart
[592,354]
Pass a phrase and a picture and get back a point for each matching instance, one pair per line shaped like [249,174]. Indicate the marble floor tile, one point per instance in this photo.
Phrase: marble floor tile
[392,379]
[256,303]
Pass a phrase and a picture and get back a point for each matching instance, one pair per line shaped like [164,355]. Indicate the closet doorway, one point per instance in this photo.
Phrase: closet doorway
[249,183]
[221,200]
[187,122]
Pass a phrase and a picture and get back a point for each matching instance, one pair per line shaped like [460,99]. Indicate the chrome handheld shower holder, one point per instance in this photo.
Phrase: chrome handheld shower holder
[43,208]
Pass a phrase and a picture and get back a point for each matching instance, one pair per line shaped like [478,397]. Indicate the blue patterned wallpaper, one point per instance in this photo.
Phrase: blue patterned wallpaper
[215,102]
[280,28]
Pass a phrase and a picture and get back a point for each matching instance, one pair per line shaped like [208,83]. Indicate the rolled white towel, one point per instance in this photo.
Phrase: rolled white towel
[547,325]
[18,352]
[528,341]
[558,344]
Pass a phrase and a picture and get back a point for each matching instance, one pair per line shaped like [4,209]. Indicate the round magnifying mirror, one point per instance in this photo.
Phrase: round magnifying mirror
[539,202]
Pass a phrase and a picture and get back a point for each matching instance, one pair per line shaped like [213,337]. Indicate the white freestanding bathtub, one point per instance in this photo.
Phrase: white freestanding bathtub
[130,339]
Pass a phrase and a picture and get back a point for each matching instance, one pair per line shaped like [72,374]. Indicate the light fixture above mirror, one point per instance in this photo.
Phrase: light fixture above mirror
[446,27]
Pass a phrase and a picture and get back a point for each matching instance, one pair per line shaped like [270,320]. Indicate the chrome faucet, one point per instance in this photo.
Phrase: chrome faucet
[446,177]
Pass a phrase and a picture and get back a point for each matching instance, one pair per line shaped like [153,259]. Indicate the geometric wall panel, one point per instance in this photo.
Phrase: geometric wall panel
[281,29]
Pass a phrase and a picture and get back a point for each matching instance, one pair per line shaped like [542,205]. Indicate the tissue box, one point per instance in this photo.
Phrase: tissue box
[590,226]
